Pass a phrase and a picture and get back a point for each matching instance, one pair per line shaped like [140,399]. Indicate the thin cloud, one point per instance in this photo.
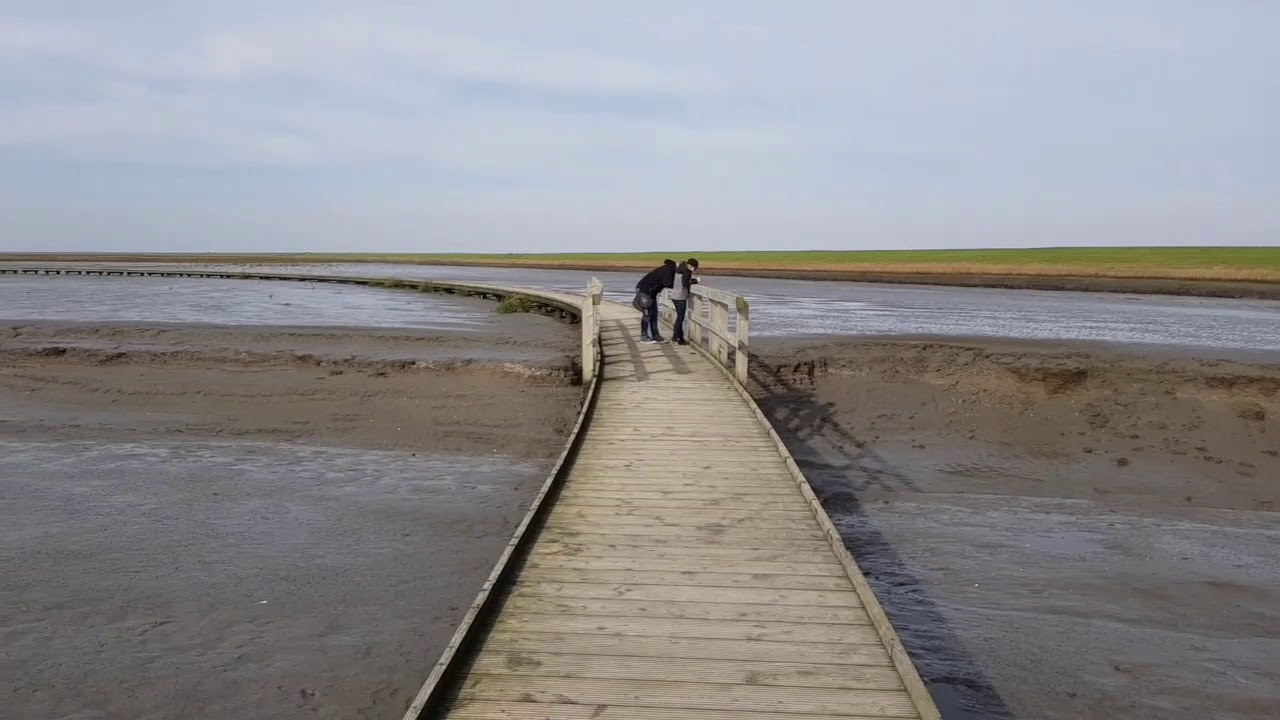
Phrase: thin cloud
[713,123]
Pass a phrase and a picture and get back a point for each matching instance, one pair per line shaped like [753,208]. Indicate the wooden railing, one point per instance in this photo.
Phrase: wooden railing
[719,323]
[591,329]
[544,302]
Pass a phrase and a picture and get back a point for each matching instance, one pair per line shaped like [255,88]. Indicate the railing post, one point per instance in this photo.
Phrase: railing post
[665,310]
[742,333]
[695,318]
[720,324]
[591,329]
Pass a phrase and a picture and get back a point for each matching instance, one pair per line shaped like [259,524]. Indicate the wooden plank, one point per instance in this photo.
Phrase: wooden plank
[486,710]
[623,480]
[686,628]
[676,437]
[722,502]
[667,433]
[610,607]
[706,696]
[733,672]
[578,562]
[721,514]
[787,495]
[547,548]
[728,535]
[609,536]
[678,457]
[707,521]
[727,580]
[609,646]
[659,464]
[657,474]
[684,593]
[669,479]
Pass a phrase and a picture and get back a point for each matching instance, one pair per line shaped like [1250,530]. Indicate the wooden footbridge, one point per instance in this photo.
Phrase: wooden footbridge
[675,565]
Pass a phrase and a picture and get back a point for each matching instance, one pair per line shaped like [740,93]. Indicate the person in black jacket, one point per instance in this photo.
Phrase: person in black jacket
[680,297]
[647,290]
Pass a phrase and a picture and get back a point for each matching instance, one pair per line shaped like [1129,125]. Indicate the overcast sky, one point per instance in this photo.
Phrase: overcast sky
[611,125]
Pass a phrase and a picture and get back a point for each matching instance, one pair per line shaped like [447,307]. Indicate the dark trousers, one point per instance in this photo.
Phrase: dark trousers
[649,319]
[682,306]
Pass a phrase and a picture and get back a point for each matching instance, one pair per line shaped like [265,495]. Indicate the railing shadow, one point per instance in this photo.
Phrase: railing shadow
[841,466]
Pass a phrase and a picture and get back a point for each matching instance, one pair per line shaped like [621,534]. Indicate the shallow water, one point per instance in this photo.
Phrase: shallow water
[800,307]
[232,302]
[1149,615]
[165,579]
[779,307]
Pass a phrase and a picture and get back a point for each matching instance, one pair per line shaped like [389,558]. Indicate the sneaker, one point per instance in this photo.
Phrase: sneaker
[647,340]
[658,338]
[680,342]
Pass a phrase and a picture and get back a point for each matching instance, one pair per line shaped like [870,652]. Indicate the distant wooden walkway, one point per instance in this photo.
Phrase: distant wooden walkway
[676,566]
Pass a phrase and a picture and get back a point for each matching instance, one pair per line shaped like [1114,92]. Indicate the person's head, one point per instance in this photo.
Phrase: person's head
[692,262]
[669,262]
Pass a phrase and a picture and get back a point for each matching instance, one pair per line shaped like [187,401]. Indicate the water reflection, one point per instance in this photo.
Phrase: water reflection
[232,302]
[779,307]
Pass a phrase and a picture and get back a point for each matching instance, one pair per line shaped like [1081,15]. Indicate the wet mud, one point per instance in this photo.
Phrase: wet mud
[1057,532]
[253,521]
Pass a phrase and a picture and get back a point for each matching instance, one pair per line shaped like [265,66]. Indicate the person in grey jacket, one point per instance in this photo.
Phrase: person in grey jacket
[680,291]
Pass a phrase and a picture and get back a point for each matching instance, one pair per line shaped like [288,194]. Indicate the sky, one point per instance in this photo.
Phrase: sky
[616,125]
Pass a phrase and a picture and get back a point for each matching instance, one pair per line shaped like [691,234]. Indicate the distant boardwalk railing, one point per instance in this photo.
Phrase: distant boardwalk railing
[675,564]
[572,308]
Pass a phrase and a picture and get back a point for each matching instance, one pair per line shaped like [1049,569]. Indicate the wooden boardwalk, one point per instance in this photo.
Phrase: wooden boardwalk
[683,573]
[676,564]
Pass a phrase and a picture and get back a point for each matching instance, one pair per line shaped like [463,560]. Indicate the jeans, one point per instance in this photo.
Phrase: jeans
[649,320]
[677,333]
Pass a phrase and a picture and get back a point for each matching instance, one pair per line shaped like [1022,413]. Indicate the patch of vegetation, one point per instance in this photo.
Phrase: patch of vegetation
[516,304]
[425,287]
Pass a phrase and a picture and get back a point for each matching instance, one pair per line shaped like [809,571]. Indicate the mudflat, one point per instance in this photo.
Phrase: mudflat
[1058,530]
[228,521]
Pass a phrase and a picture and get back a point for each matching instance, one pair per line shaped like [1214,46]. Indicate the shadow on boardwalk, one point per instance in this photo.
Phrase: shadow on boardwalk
[841,466]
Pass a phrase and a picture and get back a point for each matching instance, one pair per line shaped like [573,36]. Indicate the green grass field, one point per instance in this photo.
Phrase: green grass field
[1184,263]
[1240,258]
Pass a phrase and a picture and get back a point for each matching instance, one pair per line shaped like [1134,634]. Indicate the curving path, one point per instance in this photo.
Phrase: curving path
[676,565]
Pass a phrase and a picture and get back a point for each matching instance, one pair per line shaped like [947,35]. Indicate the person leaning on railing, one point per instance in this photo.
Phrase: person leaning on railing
[646,301]
[680,292]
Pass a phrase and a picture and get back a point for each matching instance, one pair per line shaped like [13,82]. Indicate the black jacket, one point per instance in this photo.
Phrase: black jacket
[657,280]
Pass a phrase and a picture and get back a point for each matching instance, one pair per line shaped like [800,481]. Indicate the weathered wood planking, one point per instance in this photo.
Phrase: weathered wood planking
[682,572]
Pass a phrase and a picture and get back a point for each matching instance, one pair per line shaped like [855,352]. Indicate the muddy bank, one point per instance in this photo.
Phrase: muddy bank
[266,522]
[1136,285]
[1059,531]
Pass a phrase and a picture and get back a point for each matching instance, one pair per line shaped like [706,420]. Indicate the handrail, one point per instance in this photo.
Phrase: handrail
[713,334]
[434,690]
[914,685]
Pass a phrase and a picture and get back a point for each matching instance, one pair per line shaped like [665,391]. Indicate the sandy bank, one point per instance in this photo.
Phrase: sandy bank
[1140,286]
[1155,280]
[266,522]
[1059,531]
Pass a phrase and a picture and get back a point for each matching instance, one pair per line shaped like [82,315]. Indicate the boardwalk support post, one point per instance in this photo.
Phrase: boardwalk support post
[695,319]
[720,332]
[591,329]
[742,332]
